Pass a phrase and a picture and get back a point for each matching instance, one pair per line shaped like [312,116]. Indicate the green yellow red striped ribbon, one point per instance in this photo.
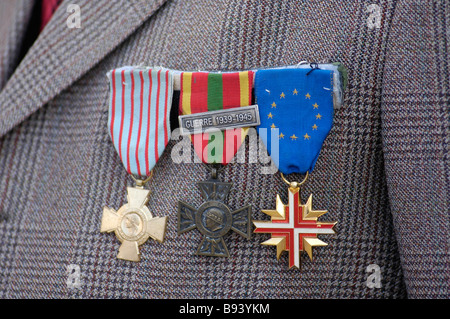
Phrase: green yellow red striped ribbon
[203,92]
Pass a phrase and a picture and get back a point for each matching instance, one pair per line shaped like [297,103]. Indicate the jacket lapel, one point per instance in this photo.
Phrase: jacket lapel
[14,18]
[61,55]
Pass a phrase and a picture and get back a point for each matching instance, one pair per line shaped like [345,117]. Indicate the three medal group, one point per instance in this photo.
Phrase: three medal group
[292,108]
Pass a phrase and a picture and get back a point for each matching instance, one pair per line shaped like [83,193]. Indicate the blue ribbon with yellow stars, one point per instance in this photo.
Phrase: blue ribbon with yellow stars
[296,110]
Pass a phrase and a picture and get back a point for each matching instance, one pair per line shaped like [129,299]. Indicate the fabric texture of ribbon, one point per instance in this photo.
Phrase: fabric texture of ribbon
[296,110]
[139,115]
[205,91]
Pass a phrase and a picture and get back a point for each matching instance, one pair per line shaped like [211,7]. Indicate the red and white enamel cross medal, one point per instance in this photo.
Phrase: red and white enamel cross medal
[294,227]
[296,108]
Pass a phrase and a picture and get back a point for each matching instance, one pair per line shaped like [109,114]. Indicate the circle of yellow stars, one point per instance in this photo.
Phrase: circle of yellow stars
[294,137]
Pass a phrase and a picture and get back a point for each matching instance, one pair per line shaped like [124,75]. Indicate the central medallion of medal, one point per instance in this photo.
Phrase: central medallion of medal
[132,226]
[213,219]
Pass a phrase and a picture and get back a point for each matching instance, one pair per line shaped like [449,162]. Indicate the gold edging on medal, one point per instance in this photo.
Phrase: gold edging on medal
[294,227]
[133,223]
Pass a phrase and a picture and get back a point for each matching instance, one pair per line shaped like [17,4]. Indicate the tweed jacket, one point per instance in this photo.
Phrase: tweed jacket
[383,172]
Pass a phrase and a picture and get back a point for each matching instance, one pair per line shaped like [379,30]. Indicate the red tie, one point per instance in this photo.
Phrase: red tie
[48,8]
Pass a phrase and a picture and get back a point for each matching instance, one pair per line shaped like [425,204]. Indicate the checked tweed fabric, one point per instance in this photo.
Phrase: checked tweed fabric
[14,17]
[382,173]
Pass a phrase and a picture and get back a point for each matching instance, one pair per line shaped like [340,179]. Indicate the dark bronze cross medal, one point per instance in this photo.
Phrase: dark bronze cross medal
[213,218]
